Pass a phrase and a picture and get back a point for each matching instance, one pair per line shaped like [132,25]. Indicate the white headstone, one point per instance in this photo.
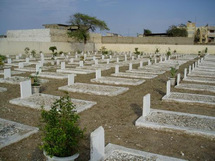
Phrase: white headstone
[155,60]
[21,65]
[165,58]
[97,144]
[117,59]
[96,61]
[189,69]
[25,89]
[146,105]
[141,64]
[110,56]
[138,56]
[126,58]
[130,66]
[108,61]
[71,79]
[149,62]
[9,61]
[98,73]
[27,60]
[168,87]
[185,73]
[17,57]
[193,66]
[58,62]
[178,78]
[81,63]
[62,65]
[103,57]
[116,69]
[71,60]
[7,73]
[132,58]
[161,59]
[38,68]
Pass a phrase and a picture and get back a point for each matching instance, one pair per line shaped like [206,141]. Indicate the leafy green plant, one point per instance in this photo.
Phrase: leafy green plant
[103,50]
[157,50]
[206,50]
[33,53]
[52,48]
[174,51]
[173,72]
[2,60]
[61,133]
[35,80]
[168,53]
[136,51]
[61,52]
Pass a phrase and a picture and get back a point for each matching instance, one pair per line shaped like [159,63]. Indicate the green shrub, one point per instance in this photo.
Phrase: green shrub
[33,53]
[136,51]
[173,72]
[52,48]
[61,133]
[27,49]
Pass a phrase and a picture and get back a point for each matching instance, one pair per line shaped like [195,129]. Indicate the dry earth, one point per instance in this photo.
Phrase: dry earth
[117,115]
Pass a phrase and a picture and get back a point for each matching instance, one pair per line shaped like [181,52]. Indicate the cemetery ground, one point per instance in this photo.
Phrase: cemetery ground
[117,115]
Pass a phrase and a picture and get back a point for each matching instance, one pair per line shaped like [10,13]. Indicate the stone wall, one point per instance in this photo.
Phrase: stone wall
[150,48]
[147,40]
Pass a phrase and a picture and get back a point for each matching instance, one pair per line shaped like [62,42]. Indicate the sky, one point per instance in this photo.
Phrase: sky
[125,17]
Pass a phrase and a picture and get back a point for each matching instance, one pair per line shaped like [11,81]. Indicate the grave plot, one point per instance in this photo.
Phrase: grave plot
[112,152]
[196,87]
[115,152]
[176,121]
[135,75]
[197,73]
[18,79]
[94,89]
[94,67]
[144,71]
[37,100]
[12,72]
[26,69]
[11,132]
[52,75]
[76,71]
[187,97]
[206,70]
[200,79]
[118,81]
[153,67]
[3,89]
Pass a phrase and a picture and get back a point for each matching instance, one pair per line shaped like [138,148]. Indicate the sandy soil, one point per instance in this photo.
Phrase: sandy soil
[117,115]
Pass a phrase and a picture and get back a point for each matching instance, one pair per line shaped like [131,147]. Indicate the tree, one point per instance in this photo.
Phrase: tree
[175,31]
[85,24]
[147,32]
[197,36]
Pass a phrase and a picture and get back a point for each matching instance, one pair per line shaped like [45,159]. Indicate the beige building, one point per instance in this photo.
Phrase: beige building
[204,34]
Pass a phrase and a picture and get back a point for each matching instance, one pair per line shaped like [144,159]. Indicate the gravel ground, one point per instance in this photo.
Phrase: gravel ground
[121,156]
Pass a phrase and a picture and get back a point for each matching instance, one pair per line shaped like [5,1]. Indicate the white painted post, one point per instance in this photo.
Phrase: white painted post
[178,78]
[110,56]
[81,63]
[141,64]
[71,79]
[98,73]
[63,66]
[71,60]
[149,62]
[185,73]
[189,69]
[116,69]
[146,105]
[130,66]
[9,61]
[97,144]
[25,89]
[168,87]
[165,58]
[138,56]
[161,59]
[193,66]
[132,58]
[103,57]
[7,73]
[17,57]
[94,58]
[21,65]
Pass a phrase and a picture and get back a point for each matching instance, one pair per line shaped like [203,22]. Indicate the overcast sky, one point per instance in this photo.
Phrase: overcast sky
[126,17]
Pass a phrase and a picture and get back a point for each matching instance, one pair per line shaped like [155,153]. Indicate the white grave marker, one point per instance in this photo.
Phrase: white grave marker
[130,66]
[27,60]
[9,61]
[178,78]
[7,73]
[21,65]
[63,66]
[25,89]
[97,144]
[146,105]
[141,64]
[38,68]
[81,63]
[71,79]
[185,73]
[168,87]
[108,61]
[98,73]
[116,69]
[58,62]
